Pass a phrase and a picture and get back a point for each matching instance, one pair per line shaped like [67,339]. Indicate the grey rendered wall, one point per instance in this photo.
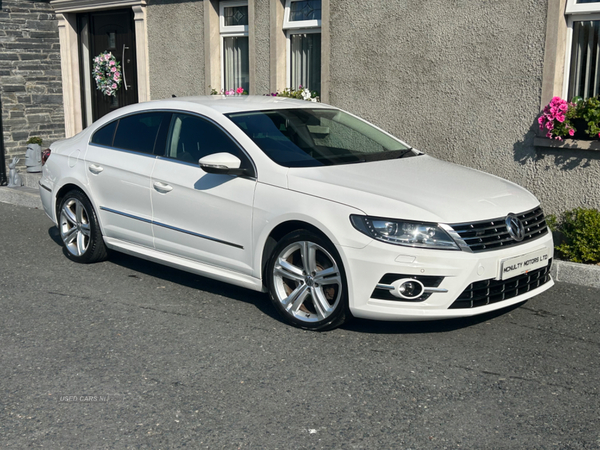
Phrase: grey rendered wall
[176,48]
[262,28]
[460,80]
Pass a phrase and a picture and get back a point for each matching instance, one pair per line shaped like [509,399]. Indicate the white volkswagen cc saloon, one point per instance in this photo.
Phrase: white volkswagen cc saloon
[330,215]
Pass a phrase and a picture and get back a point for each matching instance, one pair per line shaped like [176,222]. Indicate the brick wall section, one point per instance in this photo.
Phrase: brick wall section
[30,75]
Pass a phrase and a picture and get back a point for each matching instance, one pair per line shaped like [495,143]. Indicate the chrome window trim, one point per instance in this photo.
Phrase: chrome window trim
[197,166]
[174,111]
[164,225]
[117,149]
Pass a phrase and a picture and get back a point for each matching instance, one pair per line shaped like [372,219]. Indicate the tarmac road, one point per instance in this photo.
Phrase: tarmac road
[130,354]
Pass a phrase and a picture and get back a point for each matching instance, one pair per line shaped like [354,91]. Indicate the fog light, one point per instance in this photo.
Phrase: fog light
[408,288]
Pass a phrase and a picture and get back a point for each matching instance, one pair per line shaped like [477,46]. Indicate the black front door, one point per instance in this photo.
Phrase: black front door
[110,31]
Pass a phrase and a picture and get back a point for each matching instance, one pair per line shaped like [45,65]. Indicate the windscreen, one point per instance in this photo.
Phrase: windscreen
[317,137]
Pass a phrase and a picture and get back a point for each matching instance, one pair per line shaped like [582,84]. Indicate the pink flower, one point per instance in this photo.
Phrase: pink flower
[230,92]
[240,90]
[560,118]
[112,63]
[113,69]
[114,86]
[571,132]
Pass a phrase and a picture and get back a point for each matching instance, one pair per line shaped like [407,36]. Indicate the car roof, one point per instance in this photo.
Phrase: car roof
[237,103]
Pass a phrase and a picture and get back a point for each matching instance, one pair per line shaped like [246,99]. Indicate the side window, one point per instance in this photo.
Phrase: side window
[192,138]
[105,135]
[138,132]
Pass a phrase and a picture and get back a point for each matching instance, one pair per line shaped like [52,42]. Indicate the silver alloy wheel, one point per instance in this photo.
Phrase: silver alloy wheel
[75,227]
[307,281]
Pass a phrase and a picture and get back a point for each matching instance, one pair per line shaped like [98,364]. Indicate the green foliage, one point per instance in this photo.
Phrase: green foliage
[35,140]
[589,110]
[581,231]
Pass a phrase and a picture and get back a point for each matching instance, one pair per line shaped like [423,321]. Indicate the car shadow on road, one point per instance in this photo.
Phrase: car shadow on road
[194,281]
[262,303]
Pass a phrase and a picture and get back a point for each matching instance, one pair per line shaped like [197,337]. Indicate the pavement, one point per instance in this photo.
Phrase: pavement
[587,275]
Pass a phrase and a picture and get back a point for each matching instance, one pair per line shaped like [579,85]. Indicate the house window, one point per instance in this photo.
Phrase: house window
[233,17]
[582,62]
[302,22]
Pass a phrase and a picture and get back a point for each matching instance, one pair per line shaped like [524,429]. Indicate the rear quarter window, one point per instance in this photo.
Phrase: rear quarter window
[105,135]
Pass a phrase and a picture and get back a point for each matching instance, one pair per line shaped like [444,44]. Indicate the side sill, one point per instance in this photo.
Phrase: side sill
[542,143]
[186,265]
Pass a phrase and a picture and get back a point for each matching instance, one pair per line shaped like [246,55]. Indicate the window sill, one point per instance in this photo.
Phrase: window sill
[567,144]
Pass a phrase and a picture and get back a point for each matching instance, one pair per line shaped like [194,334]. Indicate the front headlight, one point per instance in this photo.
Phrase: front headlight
[402,232]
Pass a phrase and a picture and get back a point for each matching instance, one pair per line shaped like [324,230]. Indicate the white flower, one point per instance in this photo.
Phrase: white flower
[306,95]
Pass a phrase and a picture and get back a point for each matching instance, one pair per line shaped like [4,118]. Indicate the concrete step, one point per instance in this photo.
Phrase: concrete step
[22,196]
[31,179]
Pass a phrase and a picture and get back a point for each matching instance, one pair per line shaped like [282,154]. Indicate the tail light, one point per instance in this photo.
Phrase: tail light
[45,155]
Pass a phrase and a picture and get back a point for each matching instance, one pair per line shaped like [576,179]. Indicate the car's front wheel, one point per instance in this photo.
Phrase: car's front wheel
[307,282]
[79,229]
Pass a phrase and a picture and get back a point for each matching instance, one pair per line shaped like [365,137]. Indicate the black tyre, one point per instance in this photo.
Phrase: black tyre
[307,283]
[79,229]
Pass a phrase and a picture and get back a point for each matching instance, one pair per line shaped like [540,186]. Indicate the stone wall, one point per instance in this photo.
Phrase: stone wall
[30,75]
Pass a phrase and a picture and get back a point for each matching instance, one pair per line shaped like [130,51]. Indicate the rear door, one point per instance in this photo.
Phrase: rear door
[119,164]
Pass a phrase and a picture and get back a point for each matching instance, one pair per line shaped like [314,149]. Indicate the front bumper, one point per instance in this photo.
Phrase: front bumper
[463,275]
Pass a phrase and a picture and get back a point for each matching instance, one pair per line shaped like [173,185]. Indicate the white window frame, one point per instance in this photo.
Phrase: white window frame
[577,8]
[294,24]
[576,12]
[295,27]
[229,31]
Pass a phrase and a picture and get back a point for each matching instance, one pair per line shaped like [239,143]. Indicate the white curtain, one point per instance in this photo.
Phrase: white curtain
[305,61]
[585,60]
[235,57]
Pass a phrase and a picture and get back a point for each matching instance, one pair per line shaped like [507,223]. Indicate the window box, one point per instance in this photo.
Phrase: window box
[567,144]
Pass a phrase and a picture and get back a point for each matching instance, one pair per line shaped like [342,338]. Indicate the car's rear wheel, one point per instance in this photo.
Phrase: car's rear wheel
[79,229]
[307,282]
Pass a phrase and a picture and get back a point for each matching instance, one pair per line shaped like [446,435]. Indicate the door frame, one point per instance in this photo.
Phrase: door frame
[66,13]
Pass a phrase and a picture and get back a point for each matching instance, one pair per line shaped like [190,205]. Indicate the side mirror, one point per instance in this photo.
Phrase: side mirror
[222,163]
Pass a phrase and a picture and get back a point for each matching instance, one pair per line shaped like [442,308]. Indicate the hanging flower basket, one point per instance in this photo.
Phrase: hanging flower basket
[107,73]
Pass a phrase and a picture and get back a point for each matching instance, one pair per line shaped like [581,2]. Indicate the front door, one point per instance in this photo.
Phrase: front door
[101,32]
[197,215]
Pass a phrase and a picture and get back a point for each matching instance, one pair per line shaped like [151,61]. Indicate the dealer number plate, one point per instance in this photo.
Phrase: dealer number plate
[519,265]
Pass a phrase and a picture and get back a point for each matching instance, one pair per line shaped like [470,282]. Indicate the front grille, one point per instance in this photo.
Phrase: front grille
[485,292]
[493,234]
[389,278]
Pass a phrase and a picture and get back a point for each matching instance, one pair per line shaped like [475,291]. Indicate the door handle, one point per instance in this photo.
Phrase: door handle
[162,187]
[96,169]
[123,66]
